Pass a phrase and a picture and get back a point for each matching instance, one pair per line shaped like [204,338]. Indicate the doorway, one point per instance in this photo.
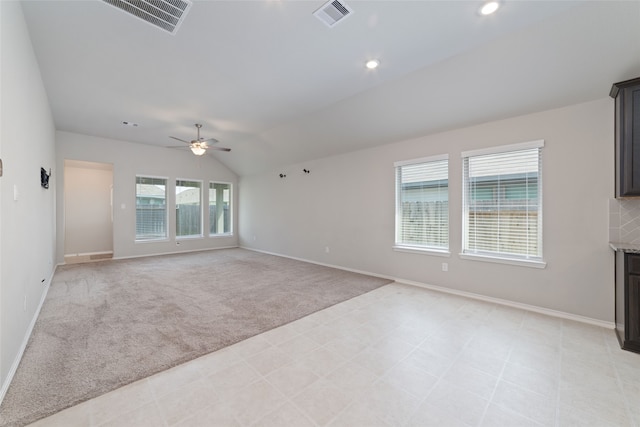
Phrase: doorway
[88,211]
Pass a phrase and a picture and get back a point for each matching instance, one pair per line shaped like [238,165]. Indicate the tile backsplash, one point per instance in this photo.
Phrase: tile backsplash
[624,220]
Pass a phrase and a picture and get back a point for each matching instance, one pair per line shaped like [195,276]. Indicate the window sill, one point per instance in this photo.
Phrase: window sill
[422,250]
[194,237]
[164,239]
[509,261]
[215,236]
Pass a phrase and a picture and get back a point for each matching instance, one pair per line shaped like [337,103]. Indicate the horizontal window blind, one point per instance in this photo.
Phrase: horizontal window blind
[422,203]
[219,208]
[503,203]
[188,208]
[151,208]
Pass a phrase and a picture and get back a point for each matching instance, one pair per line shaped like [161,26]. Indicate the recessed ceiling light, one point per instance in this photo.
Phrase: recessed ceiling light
[489,7]
[130,124]
[372,64]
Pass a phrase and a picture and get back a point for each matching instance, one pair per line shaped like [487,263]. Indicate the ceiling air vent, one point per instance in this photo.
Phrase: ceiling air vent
[333,12]
[165,14]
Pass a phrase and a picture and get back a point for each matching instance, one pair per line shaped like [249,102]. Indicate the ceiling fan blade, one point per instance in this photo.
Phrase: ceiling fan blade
[219,148]
[181,140]
[209,140]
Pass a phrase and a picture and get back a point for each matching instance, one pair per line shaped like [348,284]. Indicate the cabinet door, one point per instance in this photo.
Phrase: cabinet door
[628,133]
[633,312]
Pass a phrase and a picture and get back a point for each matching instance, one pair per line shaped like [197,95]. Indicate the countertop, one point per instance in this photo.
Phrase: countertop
[625,247]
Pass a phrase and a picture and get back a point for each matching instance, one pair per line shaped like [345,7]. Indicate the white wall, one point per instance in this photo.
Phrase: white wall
[88,227]
[347,204]
[130,159]
[27,225]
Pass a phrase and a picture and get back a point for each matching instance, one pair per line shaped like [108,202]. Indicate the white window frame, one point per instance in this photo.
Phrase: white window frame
[407,247]
[189,236]
[230,233]
[166,213]
[500,257]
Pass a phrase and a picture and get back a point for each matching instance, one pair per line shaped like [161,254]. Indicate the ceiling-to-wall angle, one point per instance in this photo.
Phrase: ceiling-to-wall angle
[165,14]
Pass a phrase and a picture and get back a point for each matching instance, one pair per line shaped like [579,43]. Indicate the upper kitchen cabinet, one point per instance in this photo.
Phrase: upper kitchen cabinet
[627,101]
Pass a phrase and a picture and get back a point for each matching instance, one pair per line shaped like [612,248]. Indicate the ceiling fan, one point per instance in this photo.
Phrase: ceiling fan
[199,145]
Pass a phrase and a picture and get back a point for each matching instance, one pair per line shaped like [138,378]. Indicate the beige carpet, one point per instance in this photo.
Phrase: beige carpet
[109,323]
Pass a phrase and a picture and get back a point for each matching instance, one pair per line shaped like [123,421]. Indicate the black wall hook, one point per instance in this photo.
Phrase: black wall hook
[306,171]
[282,175]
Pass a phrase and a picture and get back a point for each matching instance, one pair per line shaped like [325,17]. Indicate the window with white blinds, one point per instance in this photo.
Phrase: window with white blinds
[219,208]
[188,208]
[422,203]
[151,208]
[502,202]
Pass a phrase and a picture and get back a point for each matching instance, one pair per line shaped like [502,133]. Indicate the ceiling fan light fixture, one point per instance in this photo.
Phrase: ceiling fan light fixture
[199,145]
[197,149]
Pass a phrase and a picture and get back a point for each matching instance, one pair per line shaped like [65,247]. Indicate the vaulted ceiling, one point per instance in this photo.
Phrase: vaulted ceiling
[277,86]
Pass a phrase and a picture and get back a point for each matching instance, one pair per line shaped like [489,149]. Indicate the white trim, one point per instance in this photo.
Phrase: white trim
[219,236]
[421,160]
[320,263]
[189,237]
[175,206]
[25,340]
[518,305]
[503,148]
[501,260]
[422,250]
[90,253]
[163,239]
[174,252]
[231,208]
[152,176]
[166,206]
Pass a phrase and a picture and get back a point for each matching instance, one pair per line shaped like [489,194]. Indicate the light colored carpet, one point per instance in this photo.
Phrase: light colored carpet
[109,323]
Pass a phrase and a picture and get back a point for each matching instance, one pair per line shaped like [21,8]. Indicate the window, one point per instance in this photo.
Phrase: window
[502,202]
[151,208]
[219,208]
[188,208]
[422,203]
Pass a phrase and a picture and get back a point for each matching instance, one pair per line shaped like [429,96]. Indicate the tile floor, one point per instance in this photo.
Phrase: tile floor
[397,356]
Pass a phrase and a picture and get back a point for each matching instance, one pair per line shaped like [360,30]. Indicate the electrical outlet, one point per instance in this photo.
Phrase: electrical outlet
[326,249]
[445,266]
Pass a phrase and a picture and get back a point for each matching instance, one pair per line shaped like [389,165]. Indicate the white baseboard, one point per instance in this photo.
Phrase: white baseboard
[522,306]
[508,303]
[322,264]
[175,252]
[25,340]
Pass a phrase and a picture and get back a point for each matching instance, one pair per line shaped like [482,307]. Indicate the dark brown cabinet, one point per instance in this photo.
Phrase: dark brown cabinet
[627,135]
[628,300]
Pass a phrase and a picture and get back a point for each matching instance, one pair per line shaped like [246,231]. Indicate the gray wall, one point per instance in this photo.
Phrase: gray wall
[346,203]
[27,225]
[128,160]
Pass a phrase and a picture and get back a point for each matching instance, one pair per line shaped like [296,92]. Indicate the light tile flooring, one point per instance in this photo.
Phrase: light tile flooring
[397,356]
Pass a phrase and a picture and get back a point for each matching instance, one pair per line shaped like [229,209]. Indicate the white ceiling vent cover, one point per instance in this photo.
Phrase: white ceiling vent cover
[333,12]
[164,14]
